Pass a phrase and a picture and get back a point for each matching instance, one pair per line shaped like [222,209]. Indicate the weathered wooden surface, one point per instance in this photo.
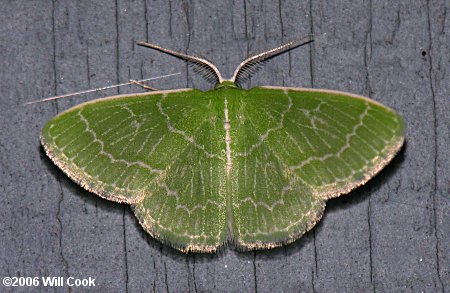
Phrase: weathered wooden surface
[392,235]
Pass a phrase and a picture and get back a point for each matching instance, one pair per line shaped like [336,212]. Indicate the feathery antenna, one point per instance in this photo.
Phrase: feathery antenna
[208,70]
[253,64]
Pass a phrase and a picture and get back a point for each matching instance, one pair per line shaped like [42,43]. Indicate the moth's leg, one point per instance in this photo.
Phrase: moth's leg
[142,85]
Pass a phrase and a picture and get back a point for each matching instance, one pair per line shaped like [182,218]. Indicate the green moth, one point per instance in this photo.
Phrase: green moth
[253,168]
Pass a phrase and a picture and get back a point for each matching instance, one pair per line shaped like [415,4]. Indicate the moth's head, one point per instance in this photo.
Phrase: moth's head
[227,84]
[243,72]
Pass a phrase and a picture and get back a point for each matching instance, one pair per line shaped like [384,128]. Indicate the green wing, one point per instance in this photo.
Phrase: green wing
[160,152]
[295,148]
[201,168]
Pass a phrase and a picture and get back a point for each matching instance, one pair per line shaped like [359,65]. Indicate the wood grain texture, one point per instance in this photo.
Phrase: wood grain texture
[391,235]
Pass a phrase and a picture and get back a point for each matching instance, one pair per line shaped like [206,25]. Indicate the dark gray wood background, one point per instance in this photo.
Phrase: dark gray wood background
[392,235]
